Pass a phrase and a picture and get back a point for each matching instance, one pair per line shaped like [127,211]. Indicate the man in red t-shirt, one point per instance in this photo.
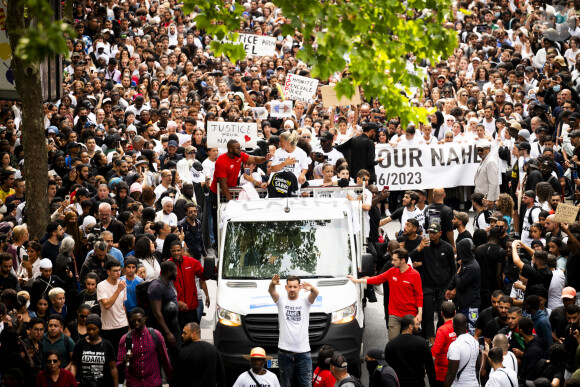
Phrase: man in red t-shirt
[187,269]
[443,339]
[405,290]
[227,171]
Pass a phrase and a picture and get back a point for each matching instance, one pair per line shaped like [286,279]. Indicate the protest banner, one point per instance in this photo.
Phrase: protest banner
[426,166]
[280,109]
[260,113]
[219,133]
[329,97]
[565,213]
[300,88]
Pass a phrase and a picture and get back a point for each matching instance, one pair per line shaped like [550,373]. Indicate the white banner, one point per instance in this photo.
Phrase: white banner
[426,166]
[219,133]
[280,109]
[300,88]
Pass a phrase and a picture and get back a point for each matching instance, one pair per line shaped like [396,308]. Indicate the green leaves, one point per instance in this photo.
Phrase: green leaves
[44,36]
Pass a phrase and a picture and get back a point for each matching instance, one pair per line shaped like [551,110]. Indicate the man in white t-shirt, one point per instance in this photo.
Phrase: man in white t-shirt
[502,376]
[463,355]
[294,317]
[406,211]
[257,375]
[112,295]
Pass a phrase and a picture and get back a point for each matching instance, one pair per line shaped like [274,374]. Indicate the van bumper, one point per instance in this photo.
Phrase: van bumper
[233,342]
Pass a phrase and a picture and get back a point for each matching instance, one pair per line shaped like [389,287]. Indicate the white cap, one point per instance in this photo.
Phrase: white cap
[483,144]
[45,263]
[166,200]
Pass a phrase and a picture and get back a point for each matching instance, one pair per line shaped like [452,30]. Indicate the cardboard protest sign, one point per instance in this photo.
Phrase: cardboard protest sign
[257,45]
[566,213]
[279,109]
[300,88]
[219,133]
[329,97]
[260,113]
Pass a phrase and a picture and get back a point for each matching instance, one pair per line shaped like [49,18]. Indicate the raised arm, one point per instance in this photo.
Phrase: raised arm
[272,288]
[312,289]
[517,261]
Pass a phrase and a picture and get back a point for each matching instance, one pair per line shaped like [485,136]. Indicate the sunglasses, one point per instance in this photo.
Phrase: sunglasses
[52,361]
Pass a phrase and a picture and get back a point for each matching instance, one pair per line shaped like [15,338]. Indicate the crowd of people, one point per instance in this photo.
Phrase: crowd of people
[116,288]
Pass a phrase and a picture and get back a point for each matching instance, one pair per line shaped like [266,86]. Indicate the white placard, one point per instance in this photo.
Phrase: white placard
[219,133]
[260,113]
[257,45]
[279,109]
[426,166]
[300,88]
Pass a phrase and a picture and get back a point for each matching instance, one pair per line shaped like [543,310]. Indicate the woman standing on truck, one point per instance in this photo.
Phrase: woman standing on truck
[289,158]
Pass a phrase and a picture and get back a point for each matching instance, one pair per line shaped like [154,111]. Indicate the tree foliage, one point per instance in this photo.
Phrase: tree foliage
[376,36]
[44,36]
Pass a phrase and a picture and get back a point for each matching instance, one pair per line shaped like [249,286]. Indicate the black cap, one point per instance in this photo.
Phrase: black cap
[575,133]
[338,361]
[530,193]
[326,136]
[376,353]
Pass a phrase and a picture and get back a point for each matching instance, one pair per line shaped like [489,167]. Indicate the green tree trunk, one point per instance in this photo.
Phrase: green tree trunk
[28,85]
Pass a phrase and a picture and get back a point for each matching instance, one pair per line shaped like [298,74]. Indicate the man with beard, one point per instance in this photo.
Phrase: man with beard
[227,170]
[191,228]
[409,355]
[45,281]
[512,331]
[547,169]
[439,212]
[164,307]
[553,229]
[460,220]
[198,358]
[410,240]
[50,248]
[492,328]
[183,200]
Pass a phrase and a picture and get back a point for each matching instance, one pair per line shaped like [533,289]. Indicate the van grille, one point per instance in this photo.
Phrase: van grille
[263,329]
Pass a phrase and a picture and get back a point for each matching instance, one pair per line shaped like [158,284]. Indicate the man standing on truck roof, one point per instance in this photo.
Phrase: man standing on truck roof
[226,173]
[294,317]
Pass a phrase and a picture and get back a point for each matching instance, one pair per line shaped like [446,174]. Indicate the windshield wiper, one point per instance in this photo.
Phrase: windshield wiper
[317,276]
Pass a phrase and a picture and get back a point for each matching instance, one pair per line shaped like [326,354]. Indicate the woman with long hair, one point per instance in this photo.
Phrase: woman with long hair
[77,329]
[290,158]
[145,253]
[72,228]
[505,205]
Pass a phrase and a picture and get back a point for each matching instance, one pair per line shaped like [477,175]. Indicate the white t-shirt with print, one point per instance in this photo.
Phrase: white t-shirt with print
[294,318]
[269,379]
[302,160]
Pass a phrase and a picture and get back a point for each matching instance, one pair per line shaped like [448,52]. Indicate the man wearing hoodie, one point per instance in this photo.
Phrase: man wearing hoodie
[465,286]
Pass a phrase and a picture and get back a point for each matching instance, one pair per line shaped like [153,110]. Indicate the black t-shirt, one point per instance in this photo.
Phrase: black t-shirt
[536,276]
[484,317]
[283,184]
[489,256]
[493,327]
[166,293]
[50,251]
[463,235]
[439,212]
[410,245]
[93,362]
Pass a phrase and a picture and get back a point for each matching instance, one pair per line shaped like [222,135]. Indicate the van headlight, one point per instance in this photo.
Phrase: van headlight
[344,315]
[228,318]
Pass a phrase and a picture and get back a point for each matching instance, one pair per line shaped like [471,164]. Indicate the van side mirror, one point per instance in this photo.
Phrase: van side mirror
[367,266]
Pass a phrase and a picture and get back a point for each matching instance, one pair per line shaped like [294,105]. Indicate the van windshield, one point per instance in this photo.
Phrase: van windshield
[306,248]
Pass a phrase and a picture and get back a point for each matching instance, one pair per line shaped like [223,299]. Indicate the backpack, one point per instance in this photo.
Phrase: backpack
[486,216]
[352,379]
[142,296]
[530,220]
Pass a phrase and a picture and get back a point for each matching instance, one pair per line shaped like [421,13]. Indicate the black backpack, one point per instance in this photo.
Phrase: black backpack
[142,296]
[352,379]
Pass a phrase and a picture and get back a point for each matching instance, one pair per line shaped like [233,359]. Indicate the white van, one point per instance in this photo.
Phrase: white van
[308,237]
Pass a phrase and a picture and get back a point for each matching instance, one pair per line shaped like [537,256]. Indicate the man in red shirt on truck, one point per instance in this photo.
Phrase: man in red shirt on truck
[227,170]
[405,290]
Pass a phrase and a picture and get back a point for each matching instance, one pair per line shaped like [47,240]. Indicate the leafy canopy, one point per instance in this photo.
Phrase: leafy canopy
[376,36]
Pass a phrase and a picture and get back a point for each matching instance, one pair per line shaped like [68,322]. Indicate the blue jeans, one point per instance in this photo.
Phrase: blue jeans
[299,364]
[471,314]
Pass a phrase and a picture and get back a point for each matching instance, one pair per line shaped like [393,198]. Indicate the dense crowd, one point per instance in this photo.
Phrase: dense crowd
[116,288]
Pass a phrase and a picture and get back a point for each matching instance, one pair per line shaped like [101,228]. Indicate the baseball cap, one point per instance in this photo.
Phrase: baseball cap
[530,193]
[525,134]
[515,125]
[326,136]
[338,361]
[190,148]
[376,353]
[575,133]
[568,292]
[435,227]
[173,143]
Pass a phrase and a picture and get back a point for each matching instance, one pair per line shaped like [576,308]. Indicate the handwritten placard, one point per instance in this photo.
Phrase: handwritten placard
[280,109]
[219,133]
[329,97]
[565,213]
[299,88]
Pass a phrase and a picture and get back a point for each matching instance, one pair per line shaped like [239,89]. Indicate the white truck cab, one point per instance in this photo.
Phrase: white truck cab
[314,239]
